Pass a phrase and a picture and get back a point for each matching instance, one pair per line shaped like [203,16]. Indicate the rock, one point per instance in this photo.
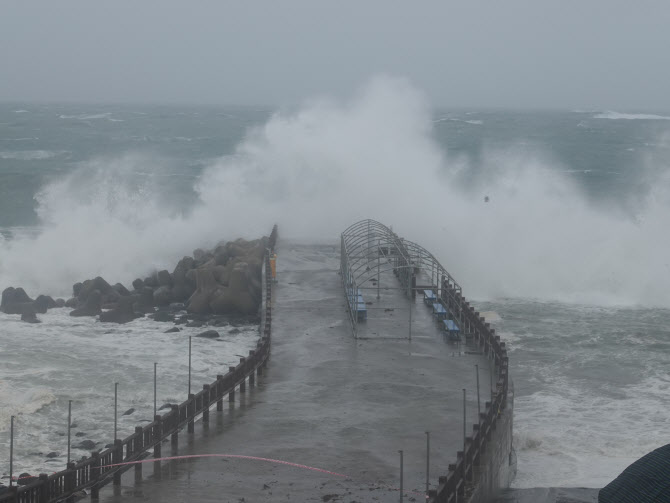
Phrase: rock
[209,334]
[143,301]
[182,292]
[172,330]
[128,412]
[19,308]
[164,278]
[199,255]
[76,289]
[21,296]
[199,301]
[87,445]
[71,302]
[107,293]
[234,331]
[192,278]
[162,296]
[183,266]
[183,283]
[123,313]
[7,296]
[42,303]
[166,406]
[53,454]
[138,284]
[25,478]
[14,300]
[222,274]
[91,307]
[163,316]
[237,296]
[29,316]
[121,290]
[151,281]
[80,434]
[60,302]
[177,306]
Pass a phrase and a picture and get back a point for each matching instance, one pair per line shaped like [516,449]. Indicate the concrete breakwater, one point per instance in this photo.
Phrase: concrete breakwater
[369,249]
[106,466]
[487,463]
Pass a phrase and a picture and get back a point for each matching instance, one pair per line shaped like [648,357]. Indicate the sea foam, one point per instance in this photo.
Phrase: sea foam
[320,167]
[30,155]
[619,116]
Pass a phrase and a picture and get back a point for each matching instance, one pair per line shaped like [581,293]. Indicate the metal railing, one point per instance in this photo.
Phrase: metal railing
[453,486]
[107,465]
[362,245]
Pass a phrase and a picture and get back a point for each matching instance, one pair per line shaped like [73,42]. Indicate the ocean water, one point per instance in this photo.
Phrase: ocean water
[570,250]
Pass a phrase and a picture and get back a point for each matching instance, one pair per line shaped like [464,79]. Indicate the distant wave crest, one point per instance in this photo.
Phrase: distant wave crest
[468,121]
[85,117]
[30,155]
[617,116]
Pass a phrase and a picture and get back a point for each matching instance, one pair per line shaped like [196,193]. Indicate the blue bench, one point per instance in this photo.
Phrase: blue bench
[439,310]
[429,297]
[361,310]
[451,328]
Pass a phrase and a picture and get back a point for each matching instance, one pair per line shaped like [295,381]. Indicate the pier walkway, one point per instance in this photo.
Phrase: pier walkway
[330,401]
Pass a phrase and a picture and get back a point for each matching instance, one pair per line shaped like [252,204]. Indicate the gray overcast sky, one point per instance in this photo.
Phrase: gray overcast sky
[605,54]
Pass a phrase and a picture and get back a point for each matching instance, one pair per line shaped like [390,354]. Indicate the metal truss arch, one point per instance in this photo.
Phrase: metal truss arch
[369,249]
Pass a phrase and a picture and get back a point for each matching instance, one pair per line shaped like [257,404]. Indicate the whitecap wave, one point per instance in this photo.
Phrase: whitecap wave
[619,116]
[571,436]
[297,170]
[31,155]
[87,116]
[21,402]
[467,121]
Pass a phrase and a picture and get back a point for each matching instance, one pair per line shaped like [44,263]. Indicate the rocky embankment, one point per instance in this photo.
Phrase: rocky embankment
[210,284]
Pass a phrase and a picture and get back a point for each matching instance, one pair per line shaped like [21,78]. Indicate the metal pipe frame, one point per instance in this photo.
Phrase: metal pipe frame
[364,242]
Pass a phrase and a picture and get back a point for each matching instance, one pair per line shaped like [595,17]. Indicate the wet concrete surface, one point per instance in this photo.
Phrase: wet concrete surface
[550,495]
[328,401]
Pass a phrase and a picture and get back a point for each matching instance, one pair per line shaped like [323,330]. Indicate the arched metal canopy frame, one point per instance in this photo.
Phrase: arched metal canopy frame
[365,243]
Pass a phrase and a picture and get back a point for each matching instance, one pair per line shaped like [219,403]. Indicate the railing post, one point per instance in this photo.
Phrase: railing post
[70,481]
[464,439]
[139,447]
[175,434]
[401,477]
[158,435]
[243,384]
[231,394]
[117,458]
[95,474]
[205,403]
[219,392]
[44,488]
[252,374]
[190,413]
